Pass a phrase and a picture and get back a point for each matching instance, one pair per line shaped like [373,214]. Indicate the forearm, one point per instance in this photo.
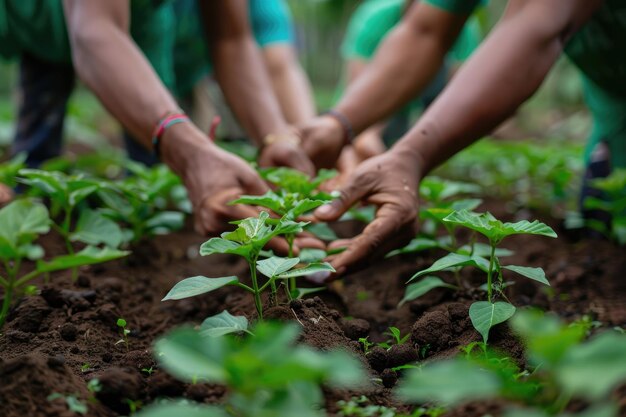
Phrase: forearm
[507,69]
[112,66]
[241,74]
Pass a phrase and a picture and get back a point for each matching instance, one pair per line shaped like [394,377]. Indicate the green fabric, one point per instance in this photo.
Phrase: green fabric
[37,27]
[371,22]
[599,51]
[271,24]
[461,7]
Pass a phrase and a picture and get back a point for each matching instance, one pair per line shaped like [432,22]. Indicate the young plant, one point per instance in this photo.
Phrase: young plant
[295,195]
[267,374]
[247,241]
[613,202]
[121,323]
[561,368]
[21,223]
[486,314]
[66,193]
[140,202]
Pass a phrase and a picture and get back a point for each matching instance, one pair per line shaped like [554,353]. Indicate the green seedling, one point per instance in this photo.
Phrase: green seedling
[398,339]
[247,241]
[148,371]
[367,345]
[295,195]
[140,202]
[613,203]
[560,364]
[21,223]
[287,376]
[486,314]
[66,193]
[121,323]
[85,367]
[9,170]
[73,403]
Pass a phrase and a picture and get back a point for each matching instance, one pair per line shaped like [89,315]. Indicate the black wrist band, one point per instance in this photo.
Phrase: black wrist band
[348,131]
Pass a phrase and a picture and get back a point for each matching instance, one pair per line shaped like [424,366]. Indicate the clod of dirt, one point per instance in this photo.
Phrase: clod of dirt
[377,358]
[30,314]
[18,336]
[139,359]
[432,330]
[58,298]
[205,392]
[355,329]
[399,355]
[389,378]
[68,332]
[118,386]
[161,384]
[108,314]
[27,381]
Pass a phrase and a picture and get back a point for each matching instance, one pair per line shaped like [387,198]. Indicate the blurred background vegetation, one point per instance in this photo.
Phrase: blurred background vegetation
[556,112]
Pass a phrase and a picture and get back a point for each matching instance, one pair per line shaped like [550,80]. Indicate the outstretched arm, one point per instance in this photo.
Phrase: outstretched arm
[502,74]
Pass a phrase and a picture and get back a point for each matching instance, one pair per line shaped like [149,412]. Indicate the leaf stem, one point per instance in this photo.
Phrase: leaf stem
[490,271]
[292,281]
[6,303]
[255,287]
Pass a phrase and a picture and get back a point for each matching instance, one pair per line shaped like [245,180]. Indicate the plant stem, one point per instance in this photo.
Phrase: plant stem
[292,281]
[6,303]
[255,287]
[490,271]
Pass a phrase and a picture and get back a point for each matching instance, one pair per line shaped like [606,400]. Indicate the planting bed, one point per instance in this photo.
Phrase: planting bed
[57,341]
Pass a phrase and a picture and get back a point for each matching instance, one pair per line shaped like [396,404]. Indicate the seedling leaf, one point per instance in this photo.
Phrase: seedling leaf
[190,287]
[453,260]
[223,323]
[485,315]
[418,289]
[275,265]
[93,228]
[88,256]
[307,270]
[536,274]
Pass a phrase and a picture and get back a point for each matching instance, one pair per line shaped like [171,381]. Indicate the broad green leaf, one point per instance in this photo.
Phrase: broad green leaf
[309,255]
[223,323]
[418,244]
[418,289]
[269,200]
[307,270]
[321,231]
[93,228]
[190,287]
[449,382]
[189,356]
[81,193]
[436,189]
[255,227]
[181,410]
[30,251]
[285,227]
[88,256]
[219,245]
[494,229]
[593,369]
[166,221]
[21,221]
[275,266]
[49,182]
[304,206]
[452,260]
[485,315]
[536,274]
[300,293]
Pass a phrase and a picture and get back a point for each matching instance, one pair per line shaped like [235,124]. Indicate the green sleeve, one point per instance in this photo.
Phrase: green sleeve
[368,27]
[271,22]
[461,7]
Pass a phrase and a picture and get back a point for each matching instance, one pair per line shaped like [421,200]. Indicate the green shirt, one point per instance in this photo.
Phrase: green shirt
[374,19]
[38,27]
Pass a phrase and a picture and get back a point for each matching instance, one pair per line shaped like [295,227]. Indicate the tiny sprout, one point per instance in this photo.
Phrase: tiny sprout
[367,345]
[121,323]
[148,371]
[397,336]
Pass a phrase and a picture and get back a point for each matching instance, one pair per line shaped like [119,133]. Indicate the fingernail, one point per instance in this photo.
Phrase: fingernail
[324,210]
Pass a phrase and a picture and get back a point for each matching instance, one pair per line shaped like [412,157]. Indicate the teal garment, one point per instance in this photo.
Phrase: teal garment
[460,7]
[38,28]
[271,23]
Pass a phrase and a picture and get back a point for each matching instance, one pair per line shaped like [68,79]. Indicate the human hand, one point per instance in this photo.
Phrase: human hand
[390,182]
[286,154]
[322,140]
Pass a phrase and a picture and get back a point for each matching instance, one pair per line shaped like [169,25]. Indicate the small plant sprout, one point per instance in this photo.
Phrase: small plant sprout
[394,332]
[613,203]
[247,241]
[295,195]
[367,345]
[148,371]
[484,314]
[121,323]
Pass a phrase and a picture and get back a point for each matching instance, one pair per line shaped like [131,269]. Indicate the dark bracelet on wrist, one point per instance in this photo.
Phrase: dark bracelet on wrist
[348,131]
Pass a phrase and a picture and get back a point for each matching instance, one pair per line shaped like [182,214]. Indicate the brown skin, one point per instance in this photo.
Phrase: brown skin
[113,67]
[506,70]
[406,62]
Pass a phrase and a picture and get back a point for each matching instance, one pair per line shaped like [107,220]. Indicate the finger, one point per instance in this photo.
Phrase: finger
[348,196]
[214,213]
[252,183]
[309,243]
[280,246]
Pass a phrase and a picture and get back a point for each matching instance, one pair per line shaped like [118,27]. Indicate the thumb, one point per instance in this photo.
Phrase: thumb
[253,184]
[349,195]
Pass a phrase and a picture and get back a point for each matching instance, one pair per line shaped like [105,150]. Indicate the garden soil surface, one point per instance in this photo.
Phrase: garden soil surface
[59,340]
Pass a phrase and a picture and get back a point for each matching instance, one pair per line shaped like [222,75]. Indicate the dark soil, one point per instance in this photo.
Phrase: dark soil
[56,342]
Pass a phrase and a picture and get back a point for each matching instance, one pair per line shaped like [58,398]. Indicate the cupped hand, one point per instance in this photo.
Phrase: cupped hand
[390,182]
[286,154]
[322,140]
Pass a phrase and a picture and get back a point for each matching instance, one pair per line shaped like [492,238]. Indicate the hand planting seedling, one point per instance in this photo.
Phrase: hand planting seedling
[140,202]
[563,367]
[295,195]
[484,314]
[247,241]
[267,374]
[613,203]
[66,193]
[21,223]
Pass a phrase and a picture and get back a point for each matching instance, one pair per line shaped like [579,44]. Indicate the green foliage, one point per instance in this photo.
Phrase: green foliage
[224,323]
[287,376]
[248,241]
[73,403]
[563,368]
[485,315]
[613,202]
[9,170]
[121,323]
